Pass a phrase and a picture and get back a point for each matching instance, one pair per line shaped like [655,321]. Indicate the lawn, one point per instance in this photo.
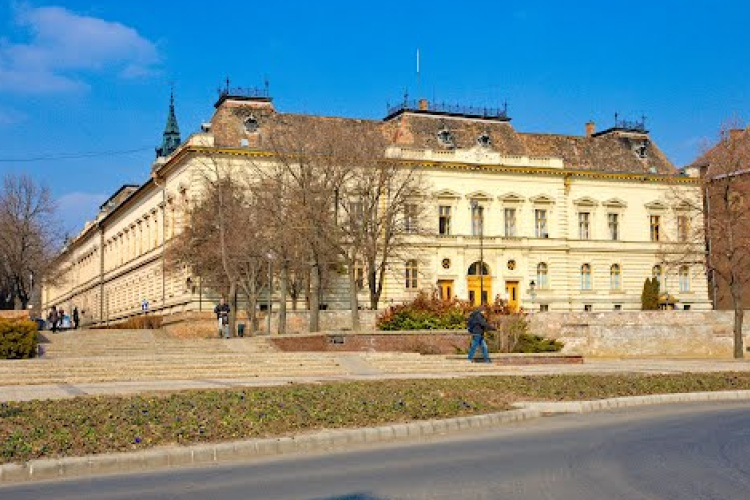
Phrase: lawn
[91,425]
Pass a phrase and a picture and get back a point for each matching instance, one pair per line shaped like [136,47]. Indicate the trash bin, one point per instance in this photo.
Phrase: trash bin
[40,324]
[241,329]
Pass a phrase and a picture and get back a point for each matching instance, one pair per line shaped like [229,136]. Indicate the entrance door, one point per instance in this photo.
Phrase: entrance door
[480,287]
[511,287]
[446,289]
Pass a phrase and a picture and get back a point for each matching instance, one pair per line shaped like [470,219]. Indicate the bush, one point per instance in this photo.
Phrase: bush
[529,343]
[426,312]
[135,323]
[17,339]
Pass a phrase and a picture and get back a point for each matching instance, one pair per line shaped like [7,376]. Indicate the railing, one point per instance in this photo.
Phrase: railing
[454,109]
[250,92]
[635,125]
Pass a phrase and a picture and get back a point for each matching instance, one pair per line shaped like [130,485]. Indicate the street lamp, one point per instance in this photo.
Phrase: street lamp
[475,212]
[532,293]
[269,255]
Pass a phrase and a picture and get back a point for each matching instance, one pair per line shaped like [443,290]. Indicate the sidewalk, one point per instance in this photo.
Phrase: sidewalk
[354,366]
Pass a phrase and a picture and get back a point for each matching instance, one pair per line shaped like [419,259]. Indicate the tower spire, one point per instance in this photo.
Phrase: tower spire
[171,135]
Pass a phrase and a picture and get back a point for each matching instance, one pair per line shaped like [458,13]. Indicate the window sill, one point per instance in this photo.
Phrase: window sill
[617,292]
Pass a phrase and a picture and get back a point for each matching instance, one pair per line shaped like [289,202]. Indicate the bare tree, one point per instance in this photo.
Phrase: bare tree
[28,238]
[722,226]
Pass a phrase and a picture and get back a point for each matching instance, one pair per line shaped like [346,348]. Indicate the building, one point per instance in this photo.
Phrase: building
[584,218]
[725,173]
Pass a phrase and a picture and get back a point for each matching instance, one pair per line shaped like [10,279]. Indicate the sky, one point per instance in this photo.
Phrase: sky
[84,86]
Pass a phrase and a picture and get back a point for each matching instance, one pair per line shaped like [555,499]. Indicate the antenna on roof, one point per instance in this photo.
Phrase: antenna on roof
[227,82]
[418,86]
[266,84]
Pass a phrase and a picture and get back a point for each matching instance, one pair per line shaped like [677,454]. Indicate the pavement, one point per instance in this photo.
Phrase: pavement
[136,362]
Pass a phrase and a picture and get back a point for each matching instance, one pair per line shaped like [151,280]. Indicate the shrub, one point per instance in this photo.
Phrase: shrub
[17,339]
[650,295]
[534,343]
[146,322]
[426,312]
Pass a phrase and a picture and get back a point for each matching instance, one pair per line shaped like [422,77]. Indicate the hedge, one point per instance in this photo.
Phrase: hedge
[17,339]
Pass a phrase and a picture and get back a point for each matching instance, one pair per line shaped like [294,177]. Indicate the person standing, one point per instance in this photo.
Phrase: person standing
[53,318]
[222,315]
[76,318]
[478,326]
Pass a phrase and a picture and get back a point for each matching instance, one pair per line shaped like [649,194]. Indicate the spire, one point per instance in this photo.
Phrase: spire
[171,136]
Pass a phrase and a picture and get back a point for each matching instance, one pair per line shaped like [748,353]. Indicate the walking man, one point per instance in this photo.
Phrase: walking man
[222,315]
[477,327]
[76,318]
[53,318]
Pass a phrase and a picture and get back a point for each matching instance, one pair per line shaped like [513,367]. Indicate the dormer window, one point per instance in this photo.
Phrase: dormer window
[446,138]
[484,140]
[251,124]
[641,149]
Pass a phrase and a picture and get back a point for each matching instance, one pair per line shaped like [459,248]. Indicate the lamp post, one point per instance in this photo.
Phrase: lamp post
[532,293]
[269,255]
[475,211]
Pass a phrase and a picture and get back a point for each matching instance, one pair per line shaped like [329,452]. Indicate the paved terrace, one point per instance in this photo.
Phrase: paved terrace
[99,362]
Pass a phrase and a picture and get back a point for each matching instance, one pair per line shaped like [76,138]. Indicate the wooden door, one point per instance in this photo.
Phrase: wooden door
[511,287]
[446,289]
[479,290]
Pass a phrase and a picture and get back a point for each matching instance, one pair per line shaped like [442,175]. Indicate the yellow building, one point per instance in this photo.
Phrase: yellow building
[585,218]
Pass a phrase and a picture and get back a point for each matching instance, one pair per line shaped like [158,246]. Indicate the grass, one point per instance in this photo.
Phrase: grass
[92,425]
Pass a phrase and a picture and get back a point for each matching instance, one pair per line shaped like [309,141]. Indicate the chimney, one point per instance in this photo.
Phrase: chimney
[590,128]
[423,104]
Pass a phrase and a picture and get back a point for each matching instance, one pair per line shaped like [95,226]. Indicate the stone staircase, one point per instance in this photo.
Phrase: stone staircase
[404,363]
[137,355]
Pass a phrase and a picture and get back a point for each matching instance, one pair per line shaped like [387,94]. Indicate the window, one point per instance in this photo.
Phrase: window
[484,140]
[684,279]
[683,227]
[584,227]
[542,278]
[510,222]
[656,273]
[477,220]
[543,308]
[586,277]
[655,227]
[615,281]
[410,218]
[588,307]
[444,224]
[686,307]
[411,274]
[617,307]
[446,138]
[251,124]
[356,211]
[540,223]
[614,226]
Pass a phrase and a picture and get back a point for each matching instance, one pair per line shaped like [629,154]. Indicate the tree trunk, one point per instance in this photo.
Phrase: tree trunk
[233,309]
[315,298]
[353,299]
[282,296]
[739,315]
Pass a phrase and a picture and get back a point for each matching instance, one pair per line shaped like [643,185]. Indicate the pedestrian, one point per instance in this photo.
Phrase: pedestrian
[76,318]
[61,319]
[222,315]
[52,319]
[477,327]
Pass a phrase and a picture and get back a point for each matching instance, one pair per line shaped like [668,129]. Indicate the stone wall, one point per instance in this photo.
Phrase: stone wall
[424,342]
[194,324]
[14,314]
[642,334]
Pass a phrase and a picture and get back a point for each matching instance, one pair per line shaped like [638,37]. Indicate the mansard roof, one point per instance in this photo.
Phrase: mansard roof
[613,151]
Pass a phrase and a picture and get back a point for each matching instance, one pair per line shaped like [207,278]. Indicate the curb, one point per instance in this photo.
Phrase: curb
[554,408]
[170,457]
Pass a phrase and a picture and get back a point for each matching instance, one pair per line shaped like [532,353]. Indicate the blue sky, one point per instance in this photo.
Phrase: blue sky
[79,77]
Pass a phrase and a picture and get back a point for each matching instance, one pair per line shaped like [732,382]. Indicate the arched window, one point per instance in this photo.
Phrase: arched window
[615,281]
[410,274]
[586,277]
[542,278]
[474,269]
[659,275]
[684,279]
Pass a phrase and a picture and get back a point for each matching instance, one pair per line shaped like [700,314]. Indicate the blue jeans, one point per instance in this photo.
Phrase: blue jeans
[478,341]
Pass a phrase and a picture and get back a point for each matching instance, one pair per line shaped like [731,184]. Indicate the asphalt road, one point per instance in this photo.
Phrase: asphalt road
[680,452]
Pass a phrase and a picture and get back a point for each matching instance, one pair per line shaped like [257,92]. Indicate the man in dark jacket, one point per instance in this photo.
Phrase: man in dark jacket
[222,315]
[477,327]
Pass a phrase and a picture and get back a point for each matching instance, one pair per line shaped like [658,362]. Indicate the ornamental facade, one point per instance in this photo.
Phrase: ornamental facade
[548,222]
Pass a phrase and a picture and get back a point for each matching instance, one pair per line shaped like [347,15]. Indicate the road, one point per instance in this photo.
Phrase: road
[679,452]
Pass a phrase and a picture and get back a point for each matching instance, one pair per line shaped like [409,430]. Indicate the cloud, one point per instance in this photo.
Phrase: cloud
[64,47]
[76,208]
